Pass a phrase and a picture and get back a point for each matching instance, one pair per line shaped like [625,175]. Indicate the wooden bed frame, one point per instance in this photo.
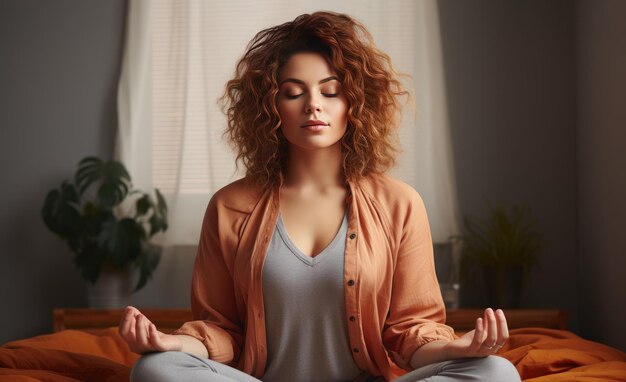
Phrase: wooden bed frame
[462,320]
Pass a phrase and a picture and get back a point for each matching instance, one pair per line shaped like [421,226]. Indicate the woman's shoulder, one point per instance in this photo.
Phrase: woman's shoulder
[392,197]
[240,195]
[389,189]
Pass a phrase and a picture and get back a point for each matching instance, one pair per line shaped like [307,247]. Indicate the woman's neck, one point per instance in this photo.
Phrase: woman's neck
[315,170]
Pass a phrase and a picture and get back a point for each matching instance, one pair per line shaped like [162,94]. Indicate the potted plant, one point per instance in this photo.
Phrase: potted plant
[88,215]
[505,246]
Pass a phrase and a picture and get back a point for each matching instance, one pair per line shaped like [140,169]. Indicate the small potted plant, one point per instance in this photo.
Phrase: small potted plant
[88,215]
[505,246]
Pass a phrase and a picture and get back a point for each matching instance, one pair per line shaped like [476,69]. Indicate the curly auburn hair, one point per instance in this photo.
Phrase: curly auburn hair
[368,78]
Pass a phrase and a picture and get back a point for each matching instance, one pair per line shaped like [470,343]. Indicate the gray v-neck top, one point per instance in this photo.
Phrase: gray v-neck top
[307,335]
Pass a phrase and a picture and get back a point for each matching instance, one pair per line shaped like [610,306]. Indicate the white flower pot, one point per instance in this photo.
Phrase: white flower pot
[111,290]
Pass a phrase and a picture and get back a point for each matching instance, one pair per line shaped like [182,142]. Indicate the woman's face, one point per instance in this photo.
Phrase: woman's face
[312,106]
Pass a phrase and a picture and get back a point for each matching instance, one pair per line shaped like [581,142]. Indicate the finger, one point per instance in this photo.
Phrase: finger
[136,313]
[141,331]
[491,332]
[127,321]
[478,334]
[129,333]
[503,329]
[155,338]
[492,329]
[486,343]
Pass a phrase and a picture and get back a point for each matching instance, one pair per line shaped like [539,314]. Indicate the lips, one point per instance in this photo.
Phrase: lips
[314,123]
[315,128]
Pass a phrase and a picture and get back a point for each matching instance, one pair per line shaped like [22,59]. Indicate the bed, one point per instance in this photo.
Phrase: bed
[86,347]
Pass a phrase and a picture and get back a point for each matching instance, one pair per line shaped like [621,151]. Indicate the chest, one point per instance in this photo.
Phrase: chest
[312,222]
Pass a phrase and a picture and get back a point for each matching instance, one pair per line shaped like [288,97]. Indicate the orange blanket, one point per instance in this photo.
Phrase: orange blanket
[540,355]
[70,355]
[543,355]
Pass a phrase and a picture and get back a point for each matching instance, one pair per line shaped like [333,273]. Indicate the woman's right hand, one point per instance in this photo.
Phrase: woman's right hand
[142,336]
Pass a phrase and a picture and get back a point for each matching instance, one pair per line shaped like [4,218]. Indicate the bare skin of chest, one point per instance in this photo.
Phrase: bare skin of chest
[312,220]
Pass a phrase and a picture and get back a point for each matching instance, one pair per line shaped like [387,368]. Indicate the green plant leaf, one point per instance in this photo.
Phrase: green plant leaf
[90,262]
[114,181]
[94,217]
[506,238]
[121,240]
[162,205]
[147,262]
[143,205]
[60,211]
[158,221]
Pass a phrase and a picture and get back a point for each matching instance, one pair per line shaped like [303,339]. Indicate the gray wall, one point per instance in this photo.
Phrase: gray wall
[536,92]
[510,79]
[59,64]
[602,168]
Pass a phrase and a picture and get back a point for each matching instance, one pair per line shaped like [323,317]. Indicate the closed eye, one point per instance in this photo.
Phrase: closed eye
[324,94]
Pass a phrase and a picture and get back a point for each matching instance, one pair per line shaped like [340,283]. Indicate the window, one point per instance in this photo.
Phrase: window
[180,54]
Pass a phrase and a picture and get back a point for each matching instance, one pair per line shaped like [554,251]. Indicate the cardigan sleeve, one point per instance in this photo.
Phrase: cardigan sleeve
[417,313]
[216,321]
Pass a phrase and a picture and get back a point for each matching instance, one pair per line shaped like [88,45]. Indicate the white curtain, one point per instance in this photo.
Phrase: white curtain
[178,57]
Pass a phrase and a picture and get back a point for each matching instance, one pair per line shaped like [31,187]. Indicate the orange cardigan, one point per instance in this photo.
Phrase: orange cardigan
[393,301]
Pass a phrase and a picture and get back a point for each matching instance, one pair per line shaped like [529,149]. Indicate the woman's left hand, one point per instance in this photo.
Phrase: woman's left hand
[489,336]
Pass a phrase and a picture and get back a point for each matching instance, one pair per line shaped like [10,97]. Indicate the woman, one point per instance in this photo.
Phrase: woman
[317,266]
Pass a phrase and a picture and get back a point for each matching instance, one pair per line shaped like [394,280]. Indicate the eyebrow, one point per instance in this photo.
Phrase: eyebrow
[302,82]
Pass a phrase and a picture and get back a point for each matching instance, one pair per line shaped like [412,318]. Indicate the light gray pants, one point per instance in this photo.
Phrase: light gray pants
[178,366]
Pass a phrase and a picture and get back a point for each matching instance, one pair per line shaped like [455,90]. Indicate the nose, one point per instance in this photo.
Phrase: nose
[313,105]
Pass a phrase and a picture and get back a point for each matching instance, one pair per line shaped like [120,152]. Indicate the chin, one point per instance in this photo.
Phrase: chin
[311,146]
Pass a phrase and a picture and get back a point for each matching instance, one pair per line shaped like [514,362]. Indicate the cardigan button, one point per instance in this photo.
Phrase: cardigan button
[350,282]
[352,318]
[352,236]
[356,350]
